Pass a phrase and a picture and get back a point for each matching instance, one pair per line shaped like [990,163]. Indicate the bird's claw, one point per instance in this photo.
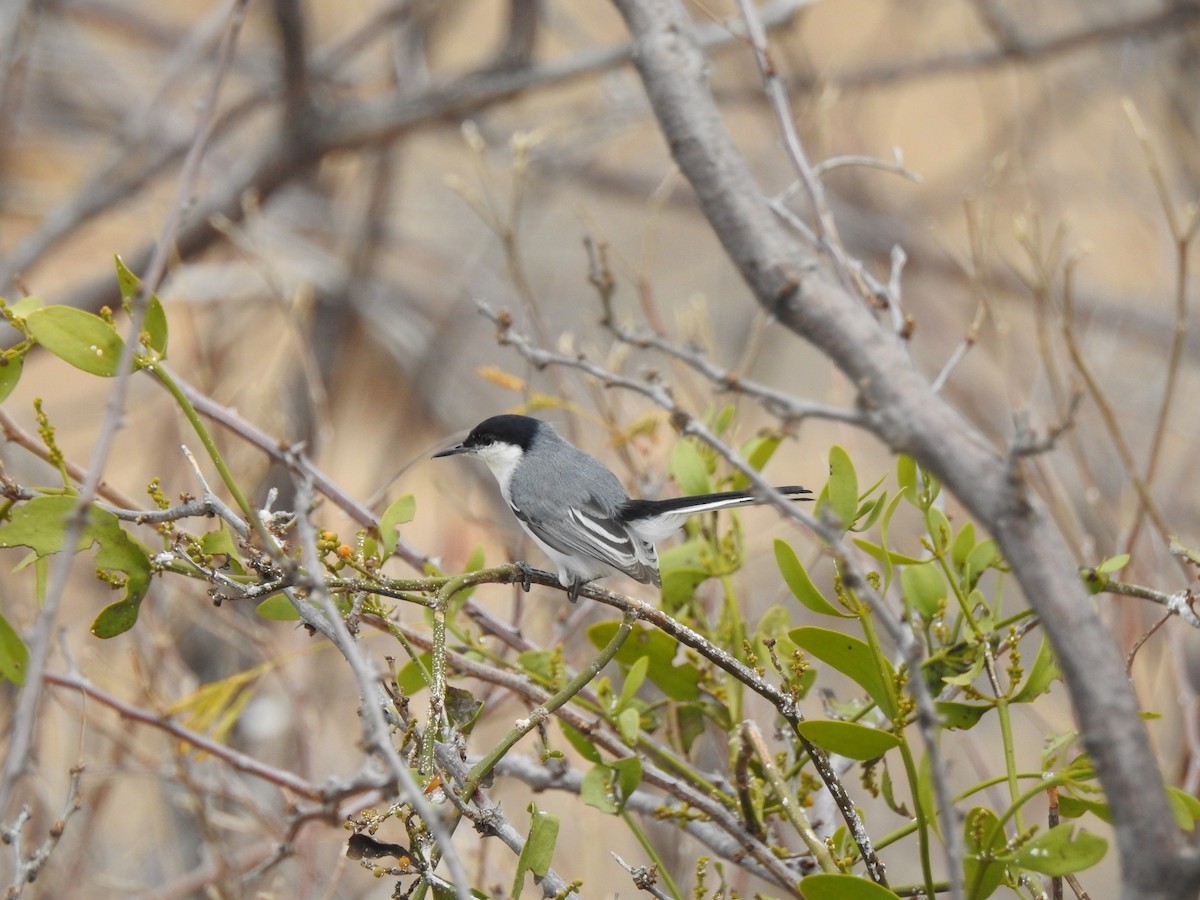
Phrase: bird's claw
[526,572]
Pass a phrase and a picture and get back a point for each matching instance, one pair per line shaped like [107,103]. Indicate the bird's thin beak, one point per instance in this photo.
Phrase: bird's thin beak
[451,451]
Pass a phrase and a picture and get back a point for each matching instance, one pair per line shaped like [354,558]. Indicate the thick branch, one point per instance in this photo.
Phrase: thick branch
[901,409]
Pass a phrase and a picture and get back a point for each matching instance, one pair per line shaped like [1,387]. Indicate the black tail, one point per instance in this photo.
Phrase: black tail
[633,510]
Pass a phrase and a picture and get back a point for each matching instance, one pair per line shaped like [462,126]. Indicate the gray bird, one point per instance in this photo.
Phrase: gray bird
[576,509]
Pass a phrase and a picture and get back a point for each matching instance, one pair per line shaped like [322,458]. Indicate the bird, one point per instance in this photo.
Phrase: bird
[576,509]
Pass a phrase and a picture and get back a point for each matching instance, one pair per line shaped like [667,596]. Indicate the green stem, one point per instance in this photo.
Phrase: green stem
[787,800]
[923,818]
[1010,757]
[210,447]
[484,767]
[650,851]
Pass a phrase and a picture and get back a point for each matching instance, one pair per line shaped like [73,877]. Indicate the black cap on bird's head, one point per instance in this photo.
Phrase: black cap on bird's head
[506,429]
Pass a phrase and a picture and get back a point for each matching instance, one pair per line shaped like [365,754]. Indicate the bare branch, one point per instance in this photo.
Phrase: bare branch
[903,411]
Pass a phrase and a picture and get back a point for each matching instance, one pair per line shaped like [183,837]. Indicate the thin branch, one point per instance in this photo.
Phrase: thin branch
[242,762]
[1175,17]
[827,231]
[786,279]
[376,733]
[25,720]
[490,820]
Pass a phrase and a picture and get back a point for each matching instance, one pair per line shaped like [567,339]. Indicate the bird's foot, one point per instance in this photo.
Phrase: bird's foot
[525,570]
[576,586]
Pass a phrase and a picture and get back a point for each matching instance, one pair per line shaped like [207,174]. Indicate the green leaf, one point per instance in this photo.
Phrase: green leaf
[836,886]
[80,338]
[596,789]
[964,543]
[961,715]
[800,584]
[1044,672]
[842,486]
[473,564]
[41,525]
[539,664]
[869,512]
[926,795]
[154,327]
[115,619]
[1184,807]
[462,708]
[629,723]
[1113,564]
[757,452]
[854,659]
[906,476]
[608,787]
[689,723]
[684,567]
[983,839]
[581,742]
[890,556]
[277,608]
[411,679]
[10,373]
[939,529]
[848,739]
[538,851]
[689,469]
[1070,807]
[985,555]
[628,771]
[14,655]
[633,680]
[1062,850]
[127,282]
[221,543]
[679,682]
[924,589]
[154,321]
[401,512]
[23,307]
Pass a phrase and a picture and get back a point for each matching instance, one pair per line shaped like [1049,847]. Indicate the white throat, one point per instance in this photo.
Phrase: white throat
[502,459]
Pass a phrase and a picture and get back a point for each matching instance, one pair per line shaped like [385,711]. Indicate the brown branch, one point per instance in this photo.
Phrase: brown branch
[902,410]
[242,762]
[1168,18]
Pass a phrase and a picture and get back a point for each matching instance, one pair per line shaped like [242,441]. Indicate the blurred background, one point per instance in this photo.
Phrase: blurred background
[378,168]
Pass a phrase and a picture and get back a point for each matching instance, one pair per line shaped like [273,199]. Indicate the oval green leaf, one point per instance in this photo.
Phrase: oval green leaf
[843,486]
[679,682]
[689,469]
[10,373]
[854,659]
[983,839]
[582,743]
[835,886]
[535,856]
[14,655]
[401,512]
[961,715]
[1061,851]
[154,326]
[800,584]
[116,618]
[924,589]
[277,608]
[848,739]
[1044,672]
[80,338]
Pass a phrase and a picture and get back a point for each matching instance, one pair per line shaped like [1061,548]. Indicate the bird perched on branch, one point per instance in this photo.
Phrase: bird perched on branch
[576,509]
